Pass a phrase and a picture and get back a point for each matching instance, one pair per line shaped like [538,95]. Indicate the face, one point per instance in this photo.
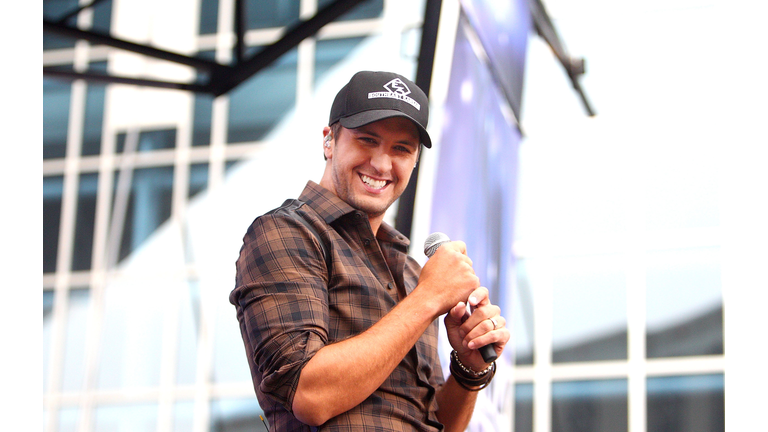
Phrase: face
[369,167]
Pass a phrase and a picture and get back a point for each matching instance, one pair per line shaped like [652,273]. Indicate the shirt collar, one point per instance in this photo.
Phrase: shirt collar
[324,202]
[330,207]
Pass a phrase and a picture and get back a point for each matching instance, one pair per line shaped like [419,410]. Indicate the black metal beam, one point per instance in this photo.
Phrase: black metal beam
[239,31]
[424,67]
[574,67]
[224,81]
[104,78]
[105,39]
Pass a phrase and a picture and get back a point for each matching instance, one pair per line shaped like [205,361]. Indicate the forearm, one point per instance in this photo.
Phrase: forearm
[455,405]
[342,375]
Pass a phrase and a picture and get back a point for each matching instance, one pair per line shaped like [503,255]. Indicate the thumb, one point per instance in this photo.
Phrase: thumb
[456,316]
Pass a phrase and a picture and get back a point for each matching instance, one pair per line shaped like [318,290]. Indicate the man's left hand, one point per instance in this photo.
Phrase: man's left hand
[469,331]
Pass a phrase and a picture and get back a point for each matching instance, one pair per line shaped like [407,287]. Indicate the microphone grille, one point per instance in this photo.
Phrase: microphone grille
[433,242]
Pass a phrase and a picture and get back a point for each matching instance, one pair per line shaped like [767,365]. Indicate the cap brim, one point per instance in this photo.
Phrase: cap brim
[366,117]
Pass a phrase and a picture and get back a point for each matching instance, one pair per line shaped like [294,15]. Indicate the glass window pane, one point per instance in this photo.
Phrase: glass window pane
[236,415]
[74,346]
[149,140]
[229,359]
[523,408]
[102,16]
[94,112]
[54,10]
[84,224]
[684,303]
[202,111]
[365,10]
[331,51]
[590,406]
[47,324]
[686,404]
[53,187]
[189,331]
[229,165]
[523,315]
[258,104]
[131,341]
[56,98]
[183,415]
[198,178]
[68,419]
[209,16]
[134,418]
[149,206]
[271,13]
[589,309]
[201,129]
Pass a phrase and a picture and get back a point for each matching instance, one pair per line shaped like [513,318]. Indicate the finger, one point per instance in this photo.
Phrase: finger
[458,246]
[498,338]
[479,297]
[488,331]
[487,325]
[479,315]
[458,313]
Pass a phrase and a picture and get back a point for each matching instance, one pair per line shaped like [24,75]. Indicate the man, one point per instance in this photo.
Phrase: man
[339,323]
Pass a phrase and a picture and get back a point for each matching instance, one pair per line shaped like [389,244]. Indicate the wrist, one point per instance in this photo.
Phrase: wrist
[427,302]
[467,377]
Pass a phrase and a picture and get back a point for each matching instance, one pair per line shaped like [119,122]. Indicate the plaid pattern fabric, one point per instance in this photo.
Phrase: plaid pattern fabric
[289,305]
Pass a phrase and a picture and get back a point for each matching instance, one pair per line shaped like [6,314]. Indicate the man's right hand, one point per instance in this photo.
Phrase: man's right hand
[448,277]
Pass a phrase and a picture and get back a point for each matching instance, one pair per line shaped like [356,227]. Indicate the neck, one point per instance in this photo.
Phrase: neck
[375,222]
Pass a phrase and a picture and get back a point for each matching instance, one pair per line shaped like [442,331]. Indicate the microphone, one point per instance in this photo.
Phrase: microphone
[431,244]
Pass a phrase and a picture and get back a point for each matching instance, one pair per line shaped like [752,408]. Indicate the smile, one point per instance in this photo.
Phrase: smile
[374,184]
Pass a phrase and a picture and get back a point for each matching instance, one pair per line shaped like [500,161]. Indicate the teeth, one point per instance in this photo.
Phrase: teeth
[376,184]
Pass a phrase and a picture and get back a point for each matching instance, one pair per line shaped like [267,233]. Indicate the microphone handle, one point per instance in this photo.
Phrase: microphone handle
[488,353]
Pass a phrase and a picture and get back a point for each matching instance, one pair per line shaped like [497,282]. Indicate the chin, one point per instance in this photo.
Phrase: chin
[373,207]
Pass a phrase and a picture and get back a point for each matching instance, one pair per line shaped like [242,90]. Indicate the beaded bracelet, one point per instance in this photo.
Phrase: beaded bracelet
[469,372]
[468,378]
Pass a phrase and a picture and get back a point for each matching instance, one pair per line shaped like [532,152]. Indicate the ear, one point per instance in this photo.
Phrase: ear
[327,142]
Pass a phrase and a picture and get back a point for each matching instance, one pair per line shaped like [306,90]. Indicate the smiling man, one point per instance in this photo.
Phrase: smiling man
[339,323]
[370,166]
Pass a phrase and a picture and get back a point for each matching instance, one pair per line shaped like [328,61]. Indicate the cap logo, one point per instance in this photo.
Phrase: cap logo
[396,89]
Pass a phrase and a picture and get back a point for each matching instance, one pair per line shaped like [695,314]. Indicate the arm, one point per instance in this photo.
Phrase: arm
[456,405]
[342,375]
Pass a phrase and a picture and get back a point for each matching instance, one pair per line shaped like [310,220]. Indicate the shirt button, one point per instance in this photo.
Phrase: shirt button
[389,286]
[367,242]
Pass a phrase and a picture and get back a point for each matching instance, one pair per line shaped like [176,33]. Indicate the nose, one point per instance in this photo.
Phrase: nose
[381,162]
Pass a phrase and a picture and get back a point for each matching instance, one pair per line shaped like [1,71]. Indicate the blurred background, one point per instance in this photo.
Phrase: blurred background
[604,161]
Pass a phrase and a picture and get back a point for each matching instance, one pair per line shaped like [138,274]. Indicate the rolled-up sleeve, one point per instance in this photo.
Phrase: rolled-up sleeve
[281,299]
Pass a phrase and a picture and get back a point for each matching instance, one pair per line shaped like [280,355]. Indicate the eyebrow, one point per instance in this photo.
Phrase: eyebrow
[367,131]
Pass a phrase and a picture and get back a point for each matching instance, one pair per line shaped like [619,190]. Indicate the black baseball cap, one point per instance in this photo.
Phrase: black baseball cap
[373,96]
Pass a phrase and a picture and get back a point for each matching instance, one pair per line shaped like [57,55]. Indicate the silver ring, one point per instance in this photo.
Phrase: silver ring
[493,321]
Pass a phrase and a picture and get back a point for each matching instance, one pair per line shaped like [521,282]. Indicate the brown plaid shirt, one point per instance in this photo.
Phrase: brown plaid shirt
[290,305]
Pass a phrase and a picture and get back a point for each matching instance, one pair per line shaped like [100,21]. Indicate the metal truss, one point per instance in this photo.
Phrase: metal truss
[223,78]
[220,78]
